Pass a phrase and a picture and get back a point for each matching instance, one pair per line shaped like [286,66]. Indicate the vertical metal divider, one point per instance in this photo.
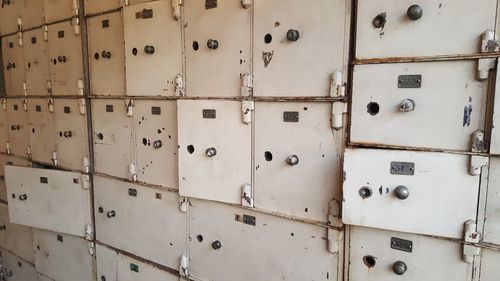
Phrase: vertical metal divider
[2,73]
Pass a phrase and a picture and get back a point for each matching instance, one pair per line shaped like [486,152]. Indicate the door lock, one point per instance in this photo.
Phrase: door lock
[407,105]
[414,12]
[292,35]
[399,268]
[212,44]
[106,54]
[292,160]
[61,59]
[157,144]
[216,245]
[23,197]
[211,152]
[67,134]
[148,49]
[111,214]
[401,192]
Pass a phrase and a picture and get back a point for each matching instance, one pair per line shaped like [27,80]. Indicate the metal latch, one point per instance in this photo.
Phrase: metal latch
[488,44]
[7,148]
[247,107]
[89,233]
[335,239]
[246,3]
[25,104]
[183,204]
[91,248]
[334,214]
[4,104]
[478,145]
[45,33]
[246,85]
[339,108]
[337,88]
[130,107]
[20,39]
[54,158]
[132,170]
[184,266]
[85,178]
[76,17]
[86,164]
[471,236]
[247,195]
[19,24]
[176,9]
[25,88]
[179,86]
[28,152]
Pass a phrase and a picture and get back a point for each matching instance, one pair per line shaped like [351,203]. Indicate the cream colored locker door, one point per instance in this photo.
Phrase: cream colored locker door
[41,126]
[13,61]
[427,105]
[63,257]
[124,211]
[290,138]
[215,150]
[381,255]
[489,265]
[217,47]
[491,233]
[71,133]
[65,59]
[155,131]
[113,144]
[421,28]
[99,6]
[106,55]
[9,12]
[153,53]
[17,126]
[49,199]
[8,160]
[409,191]
[15,238]
[4,129]
[36,62]
[32,14]
[55,10]
[114,266]
[275,248]
[17,269]
[295,54]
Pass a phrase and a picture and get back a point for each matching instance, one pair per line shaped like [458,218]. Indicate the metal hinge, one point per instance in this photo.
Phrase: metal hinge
[184,266]
[20,39]
[91,248]
[183,204]
[132,171]
[7,148]
[478,145]
[247,195]
[246,89]
[28,152]
[130,107]
[25,88]
[82,106]
[4,104]
[76,17]
[86,164]
[335,239]
[179,86]
[49,87]
[50,105]
[80,87]
[45,33]
[85,181]
[337,87]
[334,214]
[488,44]
[25,104]
[54,158]
[247,107]
[126,2]
[19,24]
[246,3]
[339,108]
[471,236]
[176,9]
[89,232]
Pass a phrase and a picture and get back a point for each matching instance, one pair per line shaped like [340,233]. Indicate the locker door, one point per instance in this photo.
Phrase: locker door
[8,160]
[4,129]
[41,126]
[17,239]
[32,14]
[489,265]
[59,9]
[13,61]
[17,126]
[36,62]
[492,217]
[9,12]
[17,269]
[98,6]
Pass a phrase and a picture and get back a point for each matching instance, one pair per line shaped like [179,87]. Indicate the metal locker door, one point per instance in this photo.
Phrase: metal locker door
[42,132]
[55,10]
[124,210]
[214,158]
[65,60]
[409,104]
[155,132]
[290,138]
[17,127]
[113,144]
[295,54]
[217,47]
[32,14]
[36,62]
[394,190]
[49,199]
[99,6]
[71,133]
[114,266]
[403,28]
[62,257]
[8,160]
[106,55]
[291,250]
[4,126]
[13,61]
[9,12]
[15,238]
[381,255]
[152,49]
[16,269]
[489,265]
[491,232]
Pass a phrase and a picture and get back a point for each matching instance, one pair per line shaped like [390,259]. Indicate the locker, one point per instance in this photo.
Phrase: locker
[489,265]
[291,250]
[49,199]
[4,129]
[215,157]
[98,6]
[295,54]
[106,54]
[32,14]
[410,104]
[17,127]
[383,255]
[13,61]
[421,28]
[153,58]
[491,233]
[15,238]
[113,266]
[65,59]
[155,131]
[123,211]
[9,12]
[71,133]
[16,269]
[217,47]
[284,180]
[36,62]
[55,10]
[8,160]
[409,191]
[41,126]
[62,257]
[113,133]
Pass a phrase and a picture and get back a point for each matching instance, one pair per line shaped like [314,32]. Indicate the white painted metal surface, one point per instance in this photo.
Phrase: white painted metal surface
[17,269]
[17,127]
[8,160]
[36,62]
[489,265]
[33,14]
[9,12]
[15,238]
[58,9]
[42,133]
[97,6]
[491,233]
[13,62]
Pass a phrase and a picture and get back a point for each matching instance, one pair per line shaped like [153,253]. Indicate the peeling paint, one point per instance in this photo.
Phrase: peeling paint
[267,57]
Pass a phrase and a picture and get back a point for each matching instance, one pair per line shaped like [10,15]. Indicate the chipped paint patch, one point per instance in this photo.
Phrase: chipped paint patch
[267,57]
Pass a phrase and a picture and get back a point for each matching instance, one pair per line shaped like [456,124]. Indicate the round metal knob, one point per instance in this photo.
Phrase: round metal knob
[211,152]
[407,105]
[292,35]
[414,12]
[157,144]
[401,192]
[212,44]
[292,160]
[61,58]
[106,54]
[216,245]
[67,134]
[399,267]
[148,49]
[23,197]
[111,214]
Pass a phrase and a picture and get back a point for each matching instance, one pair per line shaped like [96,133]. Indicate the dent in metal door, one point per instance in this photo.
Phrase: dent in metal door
[32,13]
[49,199]
[99,6]
[16,269]
[124,210]
[489,265]
[41,126]
[409,191]
[13,61]
[295,54]
[71,132]
[155,131]
[17,127]
[220,233]
[410,104]
[113,144]
[290,138]
[59,9]
[152,49]
[36,62]
[62,257]
[114,266]
[491,233]
[17,239]
[377,254]
[65,60]
[421,28]
[8,160]
[9,12]
[217,47]
[106,54]
[214,150]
